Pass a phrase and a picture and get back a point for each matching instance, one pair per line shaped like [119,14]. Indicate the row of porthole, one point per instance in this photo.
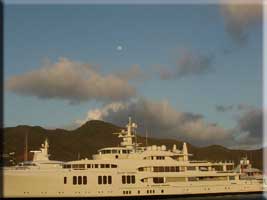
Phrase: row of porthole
[209,188]
[58,192]
[99,192]
[124,192]
[127,192]
[148,191]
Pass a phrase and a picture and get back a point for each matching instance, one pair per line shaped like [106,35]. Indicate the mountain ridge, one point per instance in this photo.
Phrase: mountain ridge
[65,145]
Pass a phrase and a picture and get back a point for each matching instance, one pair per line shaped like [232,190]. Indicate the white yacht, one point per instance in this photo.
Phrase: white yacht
[128,170]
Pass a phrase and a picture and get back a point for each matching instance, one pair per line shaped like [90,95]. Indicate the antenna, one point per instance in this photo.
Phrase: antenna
[135,139]
[26,147]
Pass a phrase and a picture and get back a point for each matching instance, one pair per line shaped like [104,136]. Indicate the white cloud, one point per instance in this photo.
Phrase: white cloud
[133,73]
[100,114]
[72,81]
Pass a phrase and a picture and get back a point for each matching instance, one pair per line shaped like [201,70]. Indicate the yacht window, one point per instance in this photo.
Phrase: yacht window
[172,169]
[114,151]
[78,166]
[84,180]
[156,169]
[123,179]
[116,156]
[113,166]
[75,166]
[66,166]
[124,151]
[107,166]
[79,180]
[133,179]
[29,164]
[65,180]
[74,180]
[128,179]
[175,179]
[141,169]
[158,180]
[100,180]
[104,179]
[109,180]
[191,168]
[231,178]
[203,168]
[88,165]
[192,179]
[216,178]
[102,166]
[96,165]
[161,169]
[144,180]
[81,166]
[216,168]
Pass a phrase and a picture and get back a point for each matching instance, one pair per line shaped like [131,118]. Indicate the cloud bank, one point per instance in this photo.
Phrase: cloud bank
[71,81]
[250,127]
[224,108]
[240,17]
[189,63]
[230,108]
[161,120]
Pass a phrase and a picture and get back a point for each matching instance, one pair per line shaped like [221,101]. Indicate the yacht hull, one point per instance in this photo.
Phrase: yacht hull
[51,184]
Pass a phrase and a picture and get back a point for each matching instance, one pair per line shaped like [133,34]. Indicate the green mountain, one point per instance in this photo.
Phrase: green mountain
[86,140]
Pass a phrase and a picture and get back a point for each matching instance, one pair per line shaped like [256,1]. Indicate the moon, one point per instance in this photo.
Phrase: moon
[119,48]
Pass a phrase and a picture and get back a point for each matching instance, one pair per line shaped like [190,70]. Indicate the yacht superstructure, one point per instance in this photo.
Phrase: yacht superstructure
[125,171]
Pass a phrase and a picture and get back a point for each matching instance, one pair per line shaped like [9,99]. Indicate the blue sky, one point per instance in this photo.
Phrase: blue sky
[152,37]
